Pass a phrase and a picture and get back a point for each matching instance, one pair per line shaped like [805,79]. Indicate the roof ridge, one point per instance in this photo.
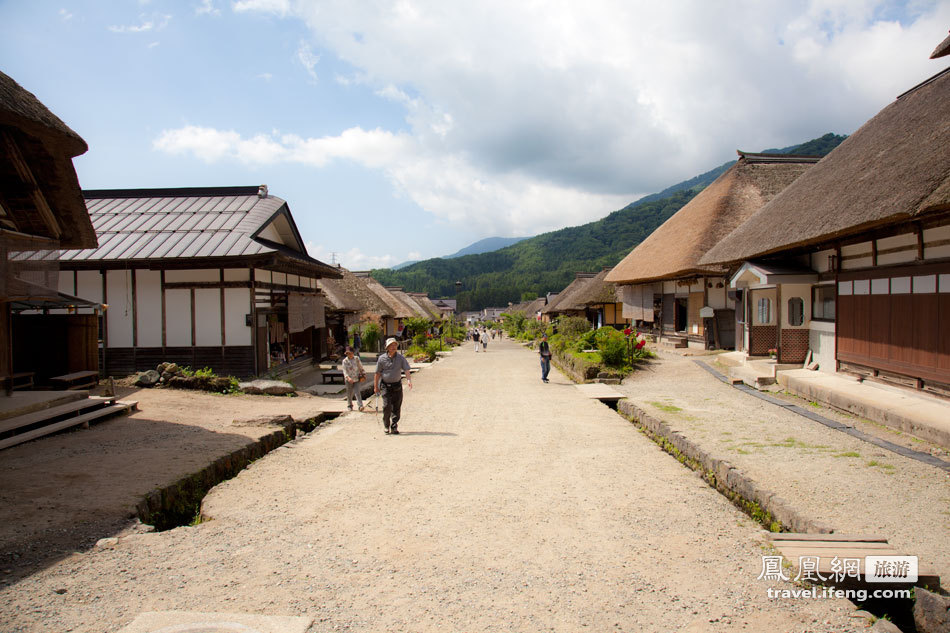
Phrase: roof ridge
[171,192]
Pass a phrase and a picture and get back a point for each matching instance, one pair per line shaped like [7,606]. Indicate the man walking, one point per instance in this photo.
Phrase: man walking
[545,351]
[388,382]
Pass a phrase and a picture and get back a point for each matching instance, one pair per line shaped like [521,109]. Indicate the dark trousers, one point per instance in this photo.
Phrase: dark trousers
[392,403]
[545,367]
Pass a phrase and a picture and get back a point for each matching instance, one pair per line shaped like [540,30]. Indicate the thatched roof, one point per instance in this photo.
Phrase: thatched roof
[38,146]
[417,310]
[397,309]
[358,288]
[942,49]
[566,300]
[339,298]
[675,248]
[895,168]
[598,291]
[426,304]
[528,308]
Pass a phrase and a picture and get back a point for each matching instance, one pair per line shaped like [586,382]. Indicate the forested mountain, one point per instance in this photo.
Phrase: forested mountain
[486,246]
[547,262]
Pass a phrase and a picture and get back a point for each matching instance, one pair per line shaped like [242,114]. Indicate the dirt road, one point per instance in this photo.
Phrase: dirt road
[505,505]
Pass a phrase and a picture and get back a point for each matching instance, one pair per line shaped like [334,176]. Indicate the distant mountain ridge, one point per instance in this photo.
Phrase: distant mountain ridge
[547,262]
[481,246]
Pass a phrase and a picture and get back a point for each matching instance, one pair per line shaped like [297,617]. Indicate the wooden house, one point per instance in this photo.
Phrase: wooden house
[205,277]
[852,260]
[662,283]
[563,303]
[599,300]
[41,211]
[353,302]
[397,310]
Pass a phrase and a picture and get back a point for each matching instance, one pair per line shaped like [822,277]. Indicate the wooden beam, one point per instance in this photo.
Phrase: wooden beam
[15,156]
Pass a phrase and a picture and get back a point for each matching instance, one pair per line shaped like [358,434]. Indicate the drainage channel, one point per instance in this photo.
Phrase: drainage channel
[926,458]
[179,504]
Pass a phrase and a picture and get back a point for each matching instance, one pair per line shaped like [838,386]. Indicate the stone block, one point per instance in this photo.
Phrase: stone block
[931,612]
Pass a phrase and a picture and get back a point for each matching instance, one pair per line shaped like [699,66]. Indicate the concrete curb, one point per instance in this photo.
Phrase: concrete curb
[169,506]
[762,504]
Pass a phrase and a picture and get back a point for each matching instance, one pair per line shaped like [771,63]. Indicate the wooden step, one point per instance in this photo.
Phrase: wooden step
[84,420]
[34,417]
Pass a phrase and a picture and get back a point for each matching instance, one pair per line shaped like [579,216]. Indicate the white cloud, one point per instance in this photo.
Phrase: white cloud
[265,76]
[65,15]
[352,259]
[278,7]
[154,22]
[524,117]
[207,8]
[307,58]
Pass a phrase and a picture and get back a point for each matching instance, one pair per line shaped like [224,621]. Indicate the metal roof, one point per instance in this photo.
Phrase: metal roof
[173,224]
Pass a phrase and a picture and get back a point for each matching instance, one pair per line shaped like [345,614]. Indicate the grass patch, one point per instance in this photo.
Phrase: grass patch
[887,468]
[848,454]
[662,406]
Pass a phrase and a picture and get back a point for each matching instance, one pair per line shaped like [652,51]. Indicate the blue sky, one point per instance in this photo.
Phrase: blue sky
[406,129]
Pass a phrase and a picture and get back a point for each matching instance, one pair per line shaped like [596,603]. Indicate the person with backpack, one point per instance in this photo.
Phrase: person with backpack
[544,350]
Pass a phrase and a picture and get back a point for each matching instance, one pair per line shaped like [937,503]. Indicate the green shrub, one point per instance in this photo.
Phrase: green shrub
[419,340]
[432,347]
[533,330]
[587,340]
[370,336]
[614,353]
[572,327]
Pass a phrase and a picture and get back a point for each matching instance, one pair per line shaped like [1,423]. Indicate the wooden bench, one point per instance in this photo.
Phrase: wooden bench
[331,375]
[76,380]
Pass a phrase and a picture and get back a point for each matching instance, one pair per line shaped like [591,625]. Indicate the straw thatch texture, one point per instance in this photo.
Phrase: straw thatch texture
[357,287]
[47,146]
[339,299]
[896,167]
[426,304]
[397,308]
[415,308]
[675,248]
[567,299]
[598,291]
[528,308]
[942,49]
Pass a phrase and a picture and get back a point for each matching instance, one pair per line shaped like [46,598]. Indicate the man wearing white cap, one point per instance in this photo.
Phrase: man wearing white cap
[388,381]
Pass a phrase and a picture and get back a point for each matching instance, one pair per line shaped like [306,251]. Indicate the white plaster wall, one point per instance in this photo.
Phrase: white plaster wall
[265,276]
[280,278]
[669,287]
[236,274]
[202,274]
[907,242]
[938,233]
[819,261]
[236,306]
[821,341]
[802,291]
[119,314]
[717,296]
[697,286]
[90,285]
[177,317]
[208,317]
[148,313]
[864,248]
[270,233]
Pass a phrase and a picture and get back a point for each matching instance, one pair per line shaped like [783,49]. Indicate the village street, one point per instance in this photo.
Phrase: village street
[505,505]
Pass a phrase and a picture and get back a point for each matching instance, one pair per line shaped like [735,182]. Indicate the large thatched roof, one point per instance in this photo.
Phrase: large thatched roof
[598,291]
[675,248]
[424,302]
[358,288]
[896,167]
[566,300]
[409,302]
[339,298]
[41,195]
[397,308]
[528,308]
[942,49]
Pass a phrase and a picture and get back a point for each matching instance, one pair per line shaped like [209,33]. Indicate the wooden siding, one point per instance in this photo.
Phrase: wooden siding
[229,361]
[884,325]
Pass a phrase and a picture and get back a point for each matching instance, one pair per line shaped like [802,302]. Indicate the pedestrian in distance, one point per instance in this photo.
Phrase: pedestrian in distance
[544,350]
[357,342]
[475,338]
[484,339]
[388,382]
[353,375]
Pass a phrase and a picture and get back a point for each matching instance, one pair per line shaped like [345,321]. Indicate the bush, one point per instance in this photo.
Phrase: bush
[431,348]
[533,330]
[614,353]
[370,336]
[419,340]
[573,327]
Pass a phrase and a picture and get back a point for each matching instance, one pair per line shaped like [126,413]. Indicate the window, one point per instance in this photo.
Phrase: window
[796,311]
[764,314]
[823,303]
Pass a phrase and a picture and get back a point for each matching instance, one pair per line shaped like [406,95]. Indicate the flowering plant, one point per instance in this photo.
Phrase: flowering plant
[773,352]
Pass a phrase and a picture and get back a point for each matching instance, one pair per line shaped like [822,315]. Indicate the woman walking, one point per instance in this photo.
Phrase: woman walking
[353,375]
